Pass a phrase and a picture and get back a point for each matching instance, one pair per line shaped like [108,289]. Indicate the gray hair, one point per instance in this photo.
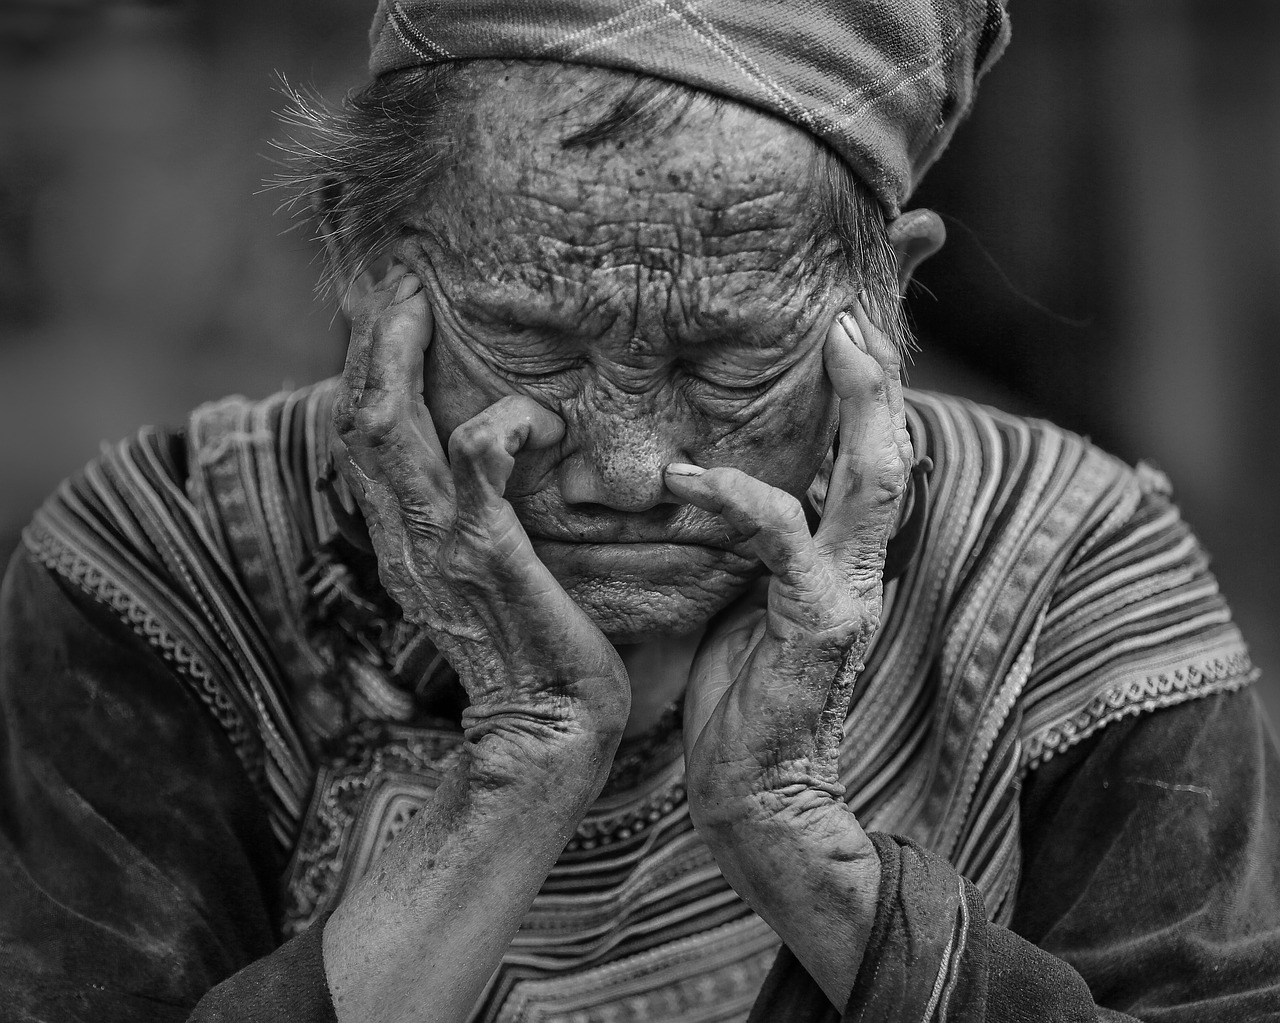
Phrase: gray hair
[358,169]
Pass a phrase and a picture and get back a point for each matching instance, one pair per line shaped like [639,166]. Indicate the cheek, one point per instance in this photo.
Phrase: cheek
[456,386]
[785,435]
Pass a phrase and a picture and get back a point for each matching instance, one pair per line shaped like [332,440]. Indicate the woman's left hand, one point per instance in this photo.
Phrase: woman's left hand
[771,684]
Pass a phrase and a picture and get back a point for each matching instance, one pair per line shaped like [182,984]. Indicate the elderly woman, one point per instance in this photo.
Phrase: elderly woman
[614,641]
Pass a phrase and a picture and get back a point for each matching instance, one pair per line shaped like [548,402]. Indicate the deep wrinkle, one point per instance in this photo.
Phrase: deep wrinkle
[668,300]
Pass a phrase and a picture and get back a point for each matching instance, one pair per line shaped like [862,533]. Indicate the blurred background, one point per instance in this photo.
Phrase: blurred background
[1113,208]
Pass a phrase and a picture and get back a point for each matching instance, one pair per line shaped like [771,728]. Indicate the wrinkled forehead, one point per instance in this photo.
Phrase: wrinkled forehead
[716,201]
[717,153]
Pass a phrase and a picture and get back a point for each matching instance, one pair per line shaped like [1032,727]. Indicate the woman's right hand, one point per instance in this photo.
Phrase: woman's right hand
[549,696]
[419,936]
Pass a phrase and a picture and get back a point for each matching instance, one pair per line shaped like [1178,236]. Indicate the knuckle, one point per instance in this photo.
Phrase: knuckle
[474,439]
[344,412]
[459,565]
[364,414]
[779,511]
[843,634]
[787,511]
[374,424]
[890,477]
[380,327]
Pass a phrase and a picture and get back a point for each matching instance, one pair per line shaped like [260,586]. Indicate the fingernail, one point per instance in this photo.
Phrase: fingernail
[684,469]
[409,286]
[851,328]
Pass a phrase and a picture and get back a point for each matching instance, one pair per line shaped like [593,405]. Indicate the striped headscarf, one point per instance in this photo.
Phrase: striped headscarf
[883,82]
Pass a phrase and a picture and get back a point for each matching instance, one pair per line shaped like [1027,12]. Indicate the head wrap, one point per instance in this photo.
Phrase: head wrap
[883,82]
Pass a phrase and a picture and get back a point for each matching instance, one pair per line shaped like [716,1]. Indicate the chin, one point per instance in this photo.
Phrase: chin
[639,592]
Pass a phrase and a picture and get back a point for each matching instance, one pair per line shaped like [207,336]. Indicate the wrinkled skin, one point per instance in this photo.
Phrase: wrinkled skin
[633,365]
[664,300]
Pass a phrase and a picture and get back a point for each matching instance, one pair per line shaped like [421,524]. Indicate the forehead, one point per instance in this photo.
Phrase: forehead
[712,208]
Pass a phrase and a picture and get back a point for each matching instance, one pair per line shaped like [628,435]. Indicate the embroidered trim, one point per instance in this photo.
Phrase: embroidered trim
[376,756]
[629,823]
[90,580]
[1138,696]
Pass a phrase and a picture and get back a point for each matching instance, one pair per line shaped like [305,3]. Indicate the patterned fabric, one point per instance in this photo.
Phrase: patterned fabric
[883,83]
[1055,591]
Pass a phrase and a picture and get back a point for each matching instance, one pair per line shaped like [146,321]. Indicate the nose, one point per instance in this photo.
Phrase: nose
[622,446]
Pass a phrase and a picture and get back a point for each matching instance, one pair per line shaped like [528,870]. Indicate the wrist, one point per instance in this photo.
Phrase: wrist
[554,769]
[788,798]
[814,876]
[764,833]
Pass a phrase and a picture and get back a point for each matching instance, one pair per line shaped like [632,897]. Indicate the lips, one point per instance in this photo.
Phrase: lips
[627,534]
[682,525]
[642,562]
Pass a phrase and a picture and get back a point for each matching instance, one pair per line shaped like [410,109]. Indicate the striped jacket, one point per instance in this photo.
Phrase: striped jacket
[1055,591]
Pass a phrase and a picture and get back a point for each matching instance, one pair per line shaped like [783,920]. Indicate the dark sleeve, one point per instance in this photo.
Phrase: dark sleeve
[137,868]
[1150,890]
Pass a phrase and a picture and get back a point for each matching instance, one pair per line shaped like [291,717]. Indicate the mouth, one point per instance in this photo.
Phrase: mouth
[631,533]
[643,557]
[627,538]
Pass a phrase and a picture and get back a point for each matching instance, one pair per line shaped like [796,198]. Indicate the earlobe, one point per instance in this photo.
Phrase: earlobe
[915,236]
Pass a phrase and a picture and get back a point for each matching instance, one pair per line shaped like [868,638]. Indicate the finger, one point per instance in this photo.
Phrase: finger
[770,521]
[383,372]
[380,415]
[482,455]
[398,345]
[889,356]
[879,346]
[810,624]
[808,602]
[361,347]
[869,474]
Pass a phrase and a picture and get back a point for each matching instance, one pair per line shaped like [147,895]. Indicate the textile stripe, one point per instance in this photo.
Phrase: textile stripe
[1054,592]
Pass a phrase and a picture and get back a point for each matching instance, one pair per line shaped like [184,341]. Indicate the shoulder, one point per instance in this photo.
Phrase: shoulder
[1078,564]
[249,457]
[189,539]
[1006,461]
[1012,500]
[169,514]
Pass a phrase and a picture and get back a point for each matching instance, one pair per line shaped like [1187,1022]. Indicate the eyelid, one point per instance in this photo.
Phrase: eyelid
[513,327]
[768,370]
[564,366]
[735,390]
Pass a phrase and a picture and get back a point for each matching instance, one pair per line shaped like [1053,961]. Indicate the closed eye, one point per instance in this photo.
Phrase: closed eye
[739,386]
[537,370]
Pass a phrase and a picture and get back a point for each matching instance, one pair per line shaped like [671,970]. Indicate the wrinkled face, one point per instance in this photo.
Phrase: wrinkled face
[664,299]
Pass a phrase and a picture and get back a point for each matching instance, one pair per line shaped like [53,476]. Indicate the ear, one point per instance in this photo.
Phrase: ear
[915,236]
[352,292]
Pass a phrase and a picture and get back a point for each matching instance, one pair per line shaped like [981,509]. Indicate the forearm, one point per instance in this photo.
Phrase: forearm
[548,696]
[813,875]
[420,936]
[886,931]
[930,954]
